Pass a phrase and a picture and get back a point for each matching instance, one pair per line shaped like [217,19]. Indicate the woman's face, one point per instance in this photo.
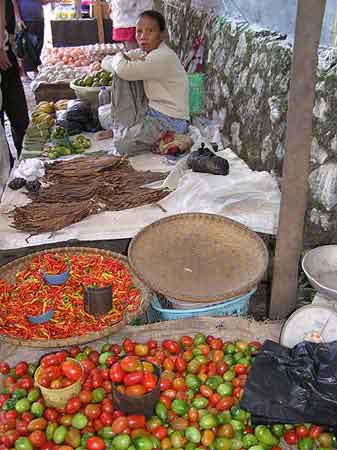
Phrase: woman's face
[148,34]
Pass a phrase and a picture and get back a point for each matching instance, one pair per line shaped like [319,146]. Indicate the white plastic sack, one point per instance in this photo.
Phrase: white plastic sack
[105,117]
[4,155]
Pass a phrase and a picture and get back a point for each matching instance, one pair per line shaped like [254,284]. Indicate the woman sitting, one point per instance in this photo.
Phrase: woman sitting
[165,84]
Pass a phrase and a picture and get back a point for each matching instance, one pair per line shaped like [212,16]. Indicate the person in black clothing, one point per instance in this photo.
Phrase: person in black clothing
[14,100]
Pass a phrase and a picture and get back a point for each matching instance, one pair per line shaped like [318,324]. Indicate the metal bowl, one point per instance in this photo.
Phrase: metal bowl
[320,267]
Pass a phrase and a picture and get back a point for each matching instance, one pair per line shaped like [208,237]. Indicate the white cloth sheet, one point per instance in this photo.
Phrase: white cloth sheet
[252,198]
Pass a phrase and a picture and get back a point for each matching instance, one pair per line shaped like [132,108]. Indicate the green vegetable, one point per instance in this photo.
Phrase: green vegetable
[214,382]
[143,443]
[22,405]
[249,440]
[193,382]
[79,421]
[161,411]
[23,443]
[179,407]
[265,437]
[193,435]
[37,409]
[207,422]
[121,442]
[60,434]
[306,443]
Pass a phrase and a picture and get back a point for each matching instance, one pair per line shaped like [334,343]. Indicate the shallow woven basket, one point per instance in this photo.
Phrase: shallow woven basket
[198,257]
[8,273]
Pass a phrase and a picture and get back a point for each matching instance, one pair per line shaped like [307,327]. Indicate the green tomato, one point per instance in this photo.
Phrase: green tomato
[306,443]
[22,405]
[257,447]
[121,442]
[236,444]
[177,439]
[245,361]
[105,348]
[19,393]
[23,443]
[207,422]
[193,435]
[143,443]
[225,389]
[278,430]
[50,430]
[79,421]
[107,433]
[249,440]
[229,360]
[214,382]
[237,356]
[265,436]
[201,359]
[98,395]
[81,356]
[200,402]
[9,404]
[199,338]
[60,434]
[192,382]
[229,375]
[230,349]
[237,425]
[190,446]
[37,409]
[179,407]
[239,414]
[193,366]
[33,394]
[222,443]
[224,417]
[155,442]
[161,411]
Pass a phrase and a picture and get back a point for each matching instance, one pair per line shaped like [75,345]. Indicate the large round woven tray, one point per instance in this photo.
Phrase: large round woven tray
[9,271]
[198,257]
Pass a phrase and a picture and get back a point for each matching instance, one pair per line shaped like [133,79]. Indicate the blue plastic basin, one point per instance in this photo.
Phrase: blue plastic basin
[41,318]
[56,280]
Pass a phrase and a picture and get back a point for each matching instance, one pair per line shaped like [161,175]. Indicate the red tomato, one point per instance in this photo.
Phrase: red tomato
[136,421]
[302,431]
[134,378]
[137,390]
[115,349]
[48,446]
[149,381]
[130,364]
[93,356]
[221,368]
[49,360]
[95,443]
[240,369]
[141,349]
[214,398]
[171,346]
[225,403]
[73,405]
[22,427]
[21,369]
[75,350]
[216,344]
[92,411]
[106,418]
[107,406]
[85,396]
[97,381]
[9,438]
[111,360]
[165,383]
[315,431]
[160,432]
[238,393]
[72,370]
[4,368]
[291,437]
[180,364]
[26,382]
[3,398]
[27,416]
[87,365]
[205,391]
[128,345]
[116,373]
[169,363]
[37,438]
[107,386]
[66,382]
[105,373]
[186,341]
[53,372]
[11,415]
[51,414]
[152,344]
[119,425]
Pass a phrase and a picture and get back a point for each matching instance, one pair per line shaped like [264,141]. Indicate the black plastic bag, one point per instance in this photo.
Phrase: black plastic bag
[204,160]
[296,385]
[79,111]
[28,46]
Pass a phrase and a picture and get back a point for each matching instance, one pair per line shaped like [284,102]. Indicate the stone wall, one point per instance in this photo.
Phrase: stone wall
[247,82]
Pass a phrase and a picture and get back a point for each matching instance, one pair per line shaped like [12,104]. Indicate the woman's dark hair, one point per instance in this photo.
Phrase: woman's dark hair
[155,15]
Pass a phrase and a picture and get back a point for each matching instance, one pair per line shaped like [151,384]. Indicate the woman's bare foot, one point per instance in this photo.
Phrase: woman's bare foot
[105,134]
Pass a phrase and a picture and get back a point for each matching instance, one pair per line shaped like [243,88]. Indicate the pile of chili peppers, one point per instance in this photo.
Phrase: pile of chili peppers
[31,295]
[54,265]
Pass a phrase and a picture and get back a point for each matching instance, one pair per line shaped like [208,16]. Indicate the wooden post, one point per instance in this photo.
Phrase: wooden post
[99,19]
[297,157]
[78,9]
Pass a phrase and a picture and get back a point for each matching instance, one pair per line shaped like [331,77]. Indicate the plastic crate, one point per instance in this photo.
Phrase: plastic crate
[237,306]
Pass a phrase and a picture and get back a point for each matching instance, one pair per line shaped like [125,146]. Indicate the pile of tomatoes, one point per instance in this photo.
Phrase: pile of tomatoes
[57,371]
[133,376]
[201,383]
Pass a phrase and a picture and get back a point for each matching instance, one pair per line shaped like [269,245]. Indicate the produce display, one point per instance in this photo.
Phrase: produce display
[36,137]
[58,372]
[62,145]
[78,188]
[78,56]
[79,116]
[32,295]
[97,79]
[201,384]
[56,73]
